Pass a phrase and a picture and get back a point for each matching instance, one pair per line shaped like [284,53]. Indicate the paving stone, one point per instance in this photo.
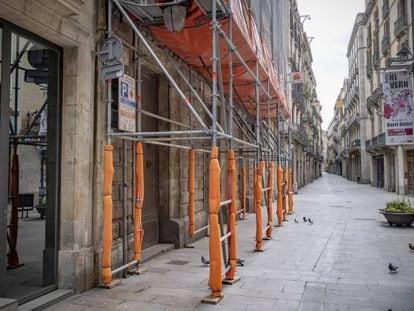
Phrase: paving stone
[338,263]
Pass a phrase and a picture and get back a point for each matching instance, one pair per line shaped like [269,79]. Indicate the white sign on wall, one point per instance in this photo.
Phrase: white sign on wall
[126,104]
[398,107]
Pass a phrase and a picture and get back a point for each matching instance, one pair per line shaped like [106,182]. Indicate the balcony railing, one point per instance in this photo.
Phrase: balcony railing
[385,44]
[376,143]
[356,144]
[399,25]
[352,120]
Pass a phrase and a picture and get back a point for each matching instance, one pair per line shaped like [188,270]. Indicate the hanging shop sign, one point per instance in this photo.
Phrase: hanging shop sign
[398,107]
[126,104]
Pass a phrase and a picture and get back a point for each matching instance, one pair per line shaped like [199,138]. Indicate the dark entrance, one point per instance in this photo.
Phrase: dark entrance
[150,210]
[29,163]
[379,167]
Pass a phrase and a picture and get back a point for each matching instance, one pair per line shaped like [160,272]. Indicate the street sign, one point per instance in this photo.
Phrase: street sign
[112,71]
[111,50]
[126,104]
[110,55]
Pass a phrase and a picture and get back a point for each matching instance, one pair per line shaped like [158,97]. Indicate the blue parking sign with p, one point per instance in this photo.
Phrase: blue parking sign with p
[124,89]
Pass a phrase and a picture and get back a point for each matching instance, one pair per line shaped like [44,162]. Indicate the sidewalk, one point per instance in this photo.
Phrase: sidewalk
[338,263]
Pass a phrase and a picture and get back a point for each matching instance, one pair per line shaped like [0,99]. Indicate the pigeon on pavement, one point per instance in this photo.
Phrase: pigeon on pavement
[304,219]
[411,246]
[296,221]
[310,221]
[240,262]
[205,261]
[392,268]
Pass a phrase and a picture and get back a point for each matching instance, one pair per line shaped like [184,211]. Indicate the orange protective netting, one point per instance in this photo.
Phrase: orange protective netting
[194,45]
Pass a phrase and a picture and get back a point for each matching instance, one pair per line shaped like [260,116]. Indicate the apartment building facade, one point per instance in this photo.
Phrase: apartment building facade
[388,46]
[306,117]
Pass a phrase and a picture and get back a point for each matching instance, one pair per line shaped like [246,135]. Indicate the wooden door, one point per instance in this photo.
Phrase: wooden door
[150,210]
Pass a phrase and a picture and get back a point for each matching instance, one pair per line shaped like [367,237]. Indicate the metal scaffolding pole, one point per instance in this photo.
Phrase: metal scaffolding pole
[158,61]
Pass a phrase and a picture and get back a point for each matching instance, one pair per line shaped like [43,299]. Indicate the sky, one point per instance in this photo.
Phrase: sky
[331,24]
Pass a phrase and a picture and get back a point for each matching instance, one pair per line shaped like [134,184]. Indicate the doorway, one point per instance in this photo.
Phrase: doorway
[410,168]
[379,166]
[29,157]
[150,210]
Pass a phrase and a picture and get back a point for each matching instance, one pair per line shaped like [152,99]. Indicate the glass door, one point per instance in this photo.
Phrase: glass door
[30,135]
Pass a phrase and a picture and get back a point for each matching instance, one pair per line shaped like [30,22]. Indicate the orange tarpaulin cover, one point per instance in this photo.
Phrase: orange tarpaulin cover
[193,44]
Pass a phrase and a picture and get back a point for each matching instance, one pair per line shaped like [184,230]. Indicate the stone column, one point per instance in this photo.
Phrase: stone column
[400,188]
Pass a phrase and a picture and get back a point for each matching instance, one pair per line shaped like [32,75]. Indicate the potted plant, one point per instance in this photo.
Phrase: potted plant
[398,212]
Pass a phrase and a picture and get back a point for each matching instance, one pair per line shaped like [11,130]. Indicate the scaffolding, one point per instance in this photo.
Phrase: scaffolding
[245,94]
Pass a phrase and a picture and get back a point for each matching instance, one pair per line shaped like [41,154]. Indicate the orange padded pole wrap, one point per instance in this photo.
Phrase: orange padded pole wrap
[254,189]
[279,211]
[12,256]
[231,188]
[108,173]
[139,200]
[190,186]
[243,194]
[214,280]
[290,191]
[270,201]
[258,206]
[284,187]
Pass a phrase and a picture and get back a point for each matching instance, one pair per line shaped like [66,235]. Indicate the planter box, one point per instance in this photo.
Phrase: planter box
[398,219]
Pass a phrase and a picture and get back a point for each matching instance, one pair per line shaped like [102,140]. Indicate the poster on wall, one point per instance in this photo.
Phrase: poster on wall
[398,107]
[126,104]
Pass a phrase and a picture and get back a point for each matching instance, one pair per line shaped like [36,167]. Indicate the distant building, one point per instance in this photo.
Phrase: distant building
[381,40]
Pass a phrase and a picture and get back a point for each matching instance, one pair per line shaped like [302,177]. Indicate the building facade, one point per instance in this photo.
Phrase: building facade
[387,45]
[305,108]
[53,122]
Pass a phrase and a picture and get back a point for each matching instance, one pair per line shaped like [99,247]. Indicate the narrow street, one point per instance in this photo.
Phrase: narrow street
[338,263]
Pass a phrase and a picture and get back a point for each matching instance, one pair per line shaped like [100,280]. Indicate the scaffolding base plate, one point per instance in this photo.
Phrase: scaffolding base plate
[268,238]
[113,284]
[189,246]
[139,270]
[260,250]
[212,300]
[277,226]
[231,281]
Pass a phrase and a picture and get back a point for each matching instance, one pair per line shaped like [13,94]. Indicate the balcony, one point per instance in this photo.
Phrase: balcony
[298,97]
[299,135]
[400,26]
[355,145]
[376,143]
[385,44]
[353,120]
[385,9]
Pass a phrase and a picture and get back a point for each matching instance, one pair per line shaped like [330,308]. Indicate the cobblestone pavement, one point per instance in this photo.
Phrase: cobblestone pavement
[338,263]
